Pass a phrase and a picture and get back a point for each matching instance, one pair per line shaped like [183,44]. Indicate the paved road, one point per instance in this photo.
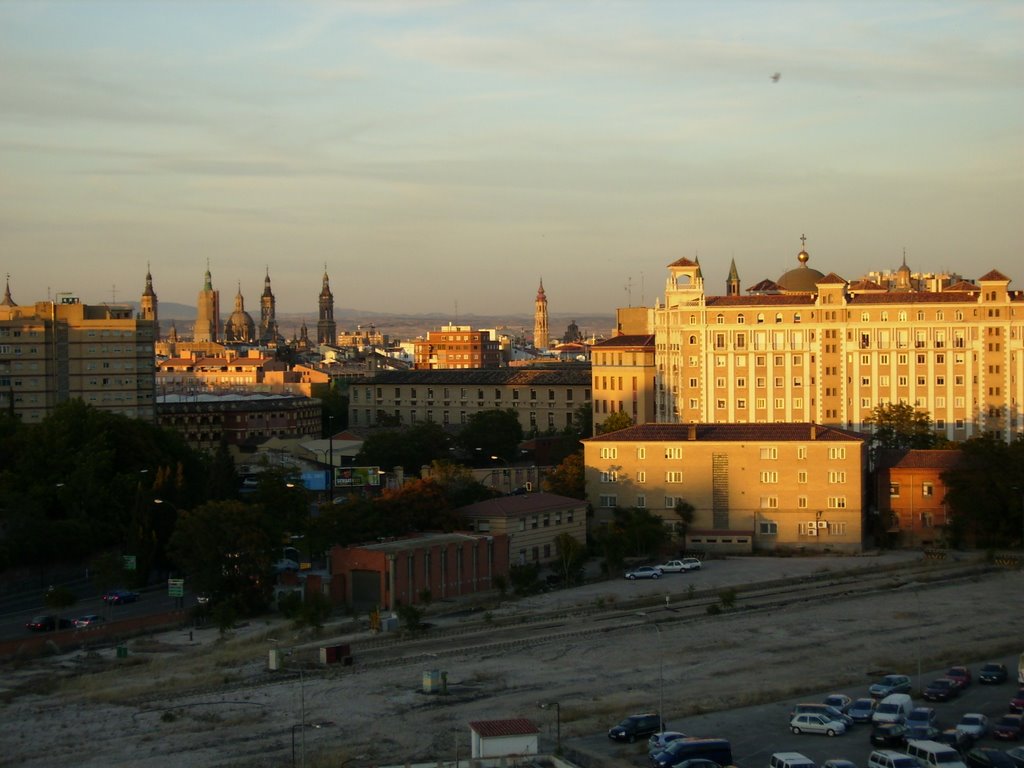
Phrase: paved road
[756,732]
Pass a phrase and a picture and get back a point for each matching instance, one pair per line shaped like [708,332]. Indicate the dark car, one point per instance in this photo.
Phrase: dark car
[888,735]
[942,689]
[992,673]
[922,716]
[988,757]
[1008,727]
[959,740]
[635,727]
[890,684]
[89,620]
[47,623]
[1017,755]
[920,733]
[862,710]
[120,596]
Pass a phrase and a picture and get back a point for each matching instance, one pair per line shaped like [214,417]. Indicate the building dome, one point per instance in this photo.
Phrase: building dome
[802,279]
[240,326]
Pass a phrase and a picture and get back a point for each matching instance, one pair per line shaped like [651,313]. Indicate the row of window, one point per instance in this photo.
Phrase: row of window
[834,528]
[611,500]
[464,394]
[766,452]
[766,478]
[927,489]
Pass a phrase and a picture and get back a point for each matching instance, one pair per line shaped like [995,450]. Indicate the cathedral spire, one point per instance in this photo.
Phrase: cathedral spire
[541,337]
[732,283]
[8,301]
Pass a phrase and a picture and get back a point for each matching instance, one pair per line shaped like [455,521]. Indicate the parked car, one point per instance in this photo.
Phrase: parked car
[959,740]
[961,675]
[681,565]
[862,710]
[644,572]
[923,732]
[992,673]
[635,727]
[89,620]
[1009,727]
[1017,702]
[942,689]
[816,723]
[47,623]
[887,758]
[890,684]
[888,735]
[922,716]
[659,741]
[821,709]
[988,757]
[1017,755]
[973,724]
[840,701]
[285,564]
[120,596]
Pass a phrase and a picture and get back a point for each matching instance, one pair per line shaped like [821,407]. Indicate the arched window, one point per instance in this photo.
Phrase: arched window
[885,317]
[720,319]
[693,339]
[796,318]
[959,315]
[920,314]
[741,320]
[778,317]
[865,317]
[760,318]
[902,316]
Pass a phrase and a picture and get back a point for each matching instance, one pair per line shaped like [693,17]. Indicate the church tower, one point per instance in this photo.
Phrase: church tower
[207,327]
[732,283]
[540,319]
[148,305]
[8,301]
[268,314]
[326,330]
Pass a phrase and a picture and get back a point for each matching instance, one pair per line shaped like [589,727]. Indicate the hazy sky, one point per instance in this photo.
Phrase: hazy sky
[443,154]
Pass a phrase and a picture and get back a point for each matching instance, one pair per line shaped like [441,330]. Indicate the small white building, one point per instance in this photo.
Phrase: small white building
[503,738]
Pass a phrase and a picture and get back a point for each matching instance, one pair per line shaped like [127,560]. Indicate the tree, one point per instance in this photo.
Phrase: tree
[568,479]
[492,433]
[410,448]
[458,484]
[570,555]
[985,493]
[685,511]
[900,425]
[641,531]
[419,505]
[614,422]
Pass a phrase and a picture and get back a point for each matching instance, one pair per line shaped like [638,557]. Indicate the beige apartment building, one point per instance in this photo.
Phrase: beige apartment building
[52,352]
[811,347]
[544,397]
[624,377]
[755,487]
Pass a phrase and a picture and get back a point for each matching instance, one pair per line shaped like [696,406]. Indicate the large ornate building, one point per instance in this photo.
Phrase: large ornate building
[326,328]
[813,347]
[207,325]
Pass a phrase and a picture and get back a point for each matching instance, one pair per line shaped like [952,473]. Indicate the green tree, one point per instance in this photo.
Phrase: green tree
[570,556]
[568,478]
[685,511]
[641,531]
[458,484]
[985,493]
[614,422]
[410,448]
[226,548]
[492,433]
[900,425]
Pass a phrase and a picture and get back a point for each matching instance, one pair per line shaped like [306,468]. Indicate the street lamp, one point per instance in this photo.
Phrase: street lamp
[321,724]
[661,671]
[558,723]
[508,470]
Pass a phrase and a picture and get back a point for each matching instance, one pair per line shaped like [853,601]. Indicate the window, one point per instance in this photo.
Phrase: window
[641,453]
[837,502]
[801,476]
[836,477]
[769,453]
[670,502]
[768,528]
[609,453]
[837,453]
[769,502]
[673,453]
[608,500]
[927,489]
[674,477]
[641,501]
[837,529]
[801,502]
[641,477]
[609,477]
[769,477]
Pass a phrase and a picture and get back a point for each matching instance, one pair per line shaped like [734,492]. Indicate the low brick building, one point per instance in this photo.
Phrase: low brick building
[399,572]
[912,495]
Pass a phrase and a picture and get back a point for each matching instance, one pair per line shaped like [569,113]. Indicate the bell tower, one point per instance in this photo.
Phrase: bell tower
[326,329]
[540,319]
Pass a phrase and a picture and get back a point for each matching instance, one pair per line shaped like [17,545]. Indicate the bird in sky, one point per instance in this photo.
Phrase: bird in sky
[776,76]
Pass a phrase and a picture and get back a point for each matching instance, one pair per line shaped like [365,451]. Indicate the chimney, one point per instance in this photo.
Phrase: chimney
[692,434]
[814,431]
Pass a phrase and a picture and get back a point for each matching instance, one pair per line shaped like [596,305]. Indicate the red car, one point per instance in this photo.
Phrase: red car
[962,676]
[1009,727]
[1017,702]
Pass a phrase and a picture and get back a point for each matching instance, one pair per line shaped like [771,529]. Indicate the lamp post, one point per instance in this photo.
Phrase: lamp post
[661,672]
[304,726]
[558,723]
[508,469]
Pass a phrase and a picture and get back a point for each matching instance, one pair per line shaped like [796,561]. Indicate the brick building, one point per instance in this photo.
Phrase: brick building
[912,494]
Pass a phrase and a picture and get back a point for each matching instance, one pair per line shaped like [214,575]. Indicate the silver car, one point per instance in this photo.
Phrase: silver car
[813,723]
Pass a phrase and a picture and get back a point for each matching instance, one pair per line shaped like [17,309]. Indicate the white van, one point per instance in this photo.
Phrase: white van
[931,754]
[894,708]
[790,760]
[888,758]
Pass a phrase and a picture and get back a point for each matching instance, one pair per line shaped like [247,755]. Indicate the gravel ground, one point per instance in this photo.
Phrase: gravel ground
[92,709]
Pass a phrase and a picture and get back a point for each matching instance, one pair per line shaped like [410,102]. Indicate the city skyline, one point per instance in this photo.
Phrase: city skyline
[471,149]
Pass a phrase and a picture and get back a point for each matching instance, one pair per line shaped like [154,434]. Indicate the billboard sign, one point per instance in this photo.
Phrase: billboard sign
[354,477]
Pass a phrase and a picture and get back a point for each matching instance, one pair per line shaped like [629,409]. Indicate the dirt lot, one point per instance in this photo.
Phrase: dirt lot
[175,701]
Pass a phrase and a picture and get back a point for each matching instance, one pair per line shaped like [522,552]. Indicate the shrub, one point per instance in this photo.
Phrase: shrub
[727,598]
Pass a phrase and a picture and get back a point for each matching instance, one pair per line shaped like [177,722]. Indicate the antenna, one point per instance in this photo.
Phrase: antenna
[113,294]
[629,291]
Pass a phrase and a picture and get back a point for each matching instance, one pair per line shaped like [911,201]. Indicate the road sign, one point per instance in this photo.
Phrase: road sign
[175,587]
[128,562]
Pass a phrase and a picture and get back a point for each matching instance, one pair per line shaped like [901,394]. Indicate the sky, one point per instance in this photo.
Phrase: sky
[447,156]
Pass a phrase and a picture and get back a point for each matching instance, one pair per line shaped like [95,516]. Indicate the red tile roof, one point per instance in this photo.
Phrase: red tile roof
[517,726]
[767,300]
[963,285]
[684,262]
[517,505]
[710,433]
[832,279]
[919,458]
[910,298]
[866,285]
[994,276]
[764,285]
